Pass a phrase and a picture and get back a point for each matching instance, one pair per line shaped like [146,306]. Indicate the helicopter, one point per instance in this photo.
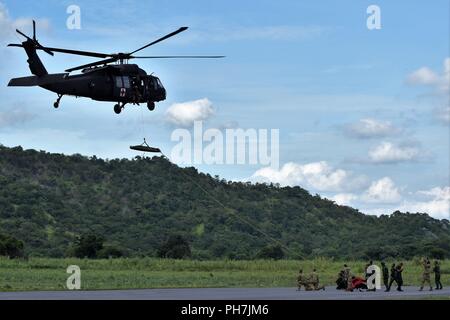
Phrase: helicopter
[111,79]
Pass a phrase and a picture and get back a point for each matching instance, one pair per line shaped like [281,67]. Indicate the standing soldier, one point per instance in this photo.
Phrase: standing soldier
[314,279]
[385,273]
[393,277]
[437,275]
[426,276]
[399,276]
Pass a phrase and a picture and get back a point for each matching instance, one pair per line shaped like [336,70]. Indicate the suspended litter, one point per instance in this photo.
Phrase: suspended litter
[144,147]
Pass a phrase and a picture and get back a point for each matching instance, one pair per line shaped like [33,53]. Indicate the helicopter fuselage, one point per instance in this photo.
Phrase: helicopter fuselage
[125,83]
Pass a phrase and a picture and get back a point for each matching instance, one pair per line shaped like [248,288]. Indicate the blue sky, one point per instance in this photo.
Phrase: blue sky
[363,114]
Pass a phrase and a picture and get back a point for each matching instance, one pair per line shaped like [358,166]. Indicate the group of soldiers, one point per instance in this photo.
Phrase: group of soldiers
[349,282]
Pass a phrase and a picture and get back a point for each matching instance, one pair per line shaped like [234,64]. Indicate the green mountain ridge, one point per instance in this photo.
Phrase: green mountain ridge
[47,200]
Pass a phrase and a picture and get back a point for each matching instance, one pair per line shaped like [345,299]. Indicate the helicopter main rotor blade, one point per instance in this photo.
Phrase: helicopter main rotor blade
[93,64]
[179,57]
[78,52]
[161,39]
[23,34]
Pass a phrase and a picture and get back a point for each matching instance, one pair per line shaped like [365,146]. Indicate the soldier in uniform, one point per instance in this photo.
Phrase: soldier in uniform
[426,276]
[301,280]
[399,276]
[304,281]
[341,281]
[385,273]
[393,277]
[437,275]
[315,281]
[348,277]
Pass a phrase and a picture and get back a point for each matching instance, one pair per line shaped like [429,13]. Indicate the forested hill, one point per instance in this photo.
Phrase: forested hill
[48,200]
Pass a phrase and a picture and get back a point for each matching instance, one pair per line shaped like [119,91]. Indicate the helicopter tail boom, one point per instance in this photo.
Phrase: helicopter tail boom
[37,80]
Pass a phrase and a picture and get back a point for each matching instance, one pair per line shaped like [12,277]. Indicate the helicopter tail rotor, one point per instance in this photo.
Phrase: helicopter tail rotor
[32,40]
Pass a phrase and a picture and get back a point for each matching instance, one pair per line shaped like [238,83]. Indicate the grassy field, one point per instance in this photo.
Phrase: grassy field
[50,274]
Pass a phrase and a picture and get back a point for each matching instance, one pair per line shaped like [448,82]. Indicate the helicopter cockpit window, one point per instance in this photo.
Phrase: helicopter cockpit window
[159,83]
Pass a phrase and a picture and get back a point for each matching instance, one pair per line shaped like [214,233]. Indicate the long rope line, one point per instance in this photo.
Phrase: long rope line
[234,213]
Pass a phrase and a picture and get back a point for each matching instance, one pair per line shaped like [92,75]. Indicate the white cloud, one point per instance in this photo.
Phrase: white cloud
[370,128]
[186,113]
[318,176]
[382,191]
[436,204]
[440,83]
[8,25]
[428,77]
[344,199]
[423,76]
[387,152]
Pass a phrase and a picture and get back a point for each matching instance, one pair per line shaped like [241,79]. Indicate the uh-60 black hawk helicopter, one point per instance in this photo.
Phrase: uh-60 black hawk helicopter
[111,79]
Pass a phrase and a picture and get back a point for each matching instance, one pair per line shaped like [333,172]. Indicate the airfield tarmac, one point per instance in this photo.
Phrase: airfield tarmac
[224,294]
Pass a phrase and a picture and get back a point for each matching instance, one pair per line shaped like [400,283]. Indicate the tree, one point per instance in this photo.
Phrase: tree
[10,247]
[109,252]
[437,253]
[271,252]
[88,246]
[176,247]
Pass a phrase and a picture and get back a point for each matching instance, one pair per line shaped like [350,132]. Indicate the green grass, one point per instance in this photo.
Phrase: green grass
[50,274]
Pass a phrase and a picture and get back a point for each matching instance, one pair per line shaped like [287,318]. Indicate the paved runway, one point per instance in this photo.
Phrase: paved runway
[222,294]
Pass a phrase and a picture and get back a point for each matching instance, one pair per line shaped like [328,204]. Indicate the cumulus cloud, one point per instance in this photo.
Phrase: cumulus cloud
[8,25]
[440,83]
[370,128]
[318,176]
[387,152]
[186,113]
[423,76]
[344,199]
[14,117]
[428,77]
[436,203]
[382,191]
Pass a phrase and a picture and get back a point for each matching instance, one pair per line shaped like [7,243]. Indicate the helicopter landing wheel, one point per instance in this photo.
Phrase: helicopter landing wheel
[117,109]
[56,104]
[151,105]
